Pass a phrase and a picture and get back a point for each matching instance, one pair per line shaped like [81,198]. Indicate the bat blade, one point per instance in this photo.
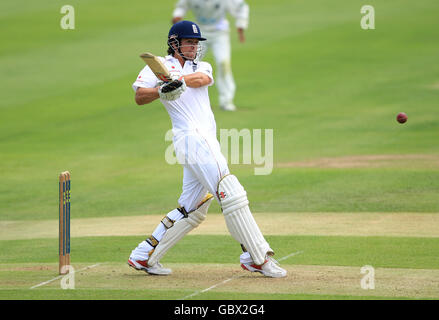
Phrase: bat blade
[157,67]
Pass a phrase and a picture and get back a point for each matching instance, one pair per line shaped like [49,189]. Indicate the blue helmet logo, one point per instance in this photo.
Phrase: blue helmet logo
[185,30]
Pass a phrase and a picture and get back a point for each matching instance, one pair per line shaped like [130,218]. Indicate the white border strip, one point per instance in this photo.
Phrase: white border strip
[232,278]
[59,277]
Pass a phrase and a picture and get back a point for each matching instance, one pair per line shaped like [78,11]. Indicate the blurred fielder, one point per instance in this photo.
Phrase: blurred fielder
[211,16]
[205,172]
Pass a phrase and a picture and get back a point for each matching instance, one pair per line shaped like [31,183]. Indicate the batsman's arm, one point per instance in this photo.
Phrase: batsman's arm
[197,80]
[146,95]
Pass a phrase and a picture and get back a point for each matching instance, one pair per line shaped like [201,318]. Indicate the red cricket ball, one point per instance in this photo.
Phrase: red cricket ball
[401,117]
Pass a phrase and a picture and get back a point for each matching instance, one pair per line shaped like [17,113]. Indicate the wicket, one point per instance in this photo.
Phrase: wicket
[64,222]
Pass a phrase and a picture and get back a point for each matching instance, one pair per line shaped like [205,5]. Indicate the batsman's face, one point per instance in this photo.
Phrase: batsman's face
[189,48]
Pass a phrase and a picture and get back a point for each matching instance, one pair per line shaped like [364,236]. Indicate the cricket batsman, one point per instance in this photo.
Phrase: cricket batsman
[206,175]
[211,17]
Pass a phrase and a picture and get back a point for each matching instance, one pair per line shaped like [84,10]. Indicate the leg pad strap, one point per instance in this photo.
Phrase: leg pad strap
[180,229]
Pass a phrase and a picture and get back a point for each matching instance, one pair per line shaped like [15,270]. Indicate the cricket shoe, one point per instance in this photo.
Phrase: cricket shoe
[270,268]
[156,269]
[228,107]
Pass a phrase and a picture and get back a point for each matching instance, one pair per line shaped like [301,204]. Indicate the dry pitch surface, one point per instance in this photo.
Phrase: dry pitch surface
[196,281]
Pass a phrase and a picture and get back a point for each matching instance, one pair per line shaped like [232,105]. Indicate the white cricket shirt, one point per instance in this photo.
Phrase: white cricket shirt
[211,14]
[192,111]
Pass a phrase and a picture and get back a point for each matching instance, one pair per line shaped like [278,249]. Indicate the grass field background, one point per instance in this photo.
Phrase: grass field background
[350,186]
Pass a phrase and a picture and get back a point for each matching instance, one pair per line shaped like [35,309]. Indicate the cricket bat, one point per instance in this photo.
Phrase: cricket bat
[157,67]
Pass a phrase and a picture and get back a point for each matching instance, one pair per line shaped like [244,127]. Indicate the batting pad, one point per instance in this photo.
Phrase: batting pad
[180,229]
[239,220]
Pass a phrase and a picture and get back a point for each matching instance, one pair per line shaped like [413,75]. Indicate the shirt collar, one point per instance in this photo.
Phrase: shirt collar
[171,58]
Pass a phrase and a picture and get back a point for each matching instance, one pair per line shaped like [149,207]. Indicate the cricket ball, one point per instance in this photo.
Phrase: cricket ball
[401,117]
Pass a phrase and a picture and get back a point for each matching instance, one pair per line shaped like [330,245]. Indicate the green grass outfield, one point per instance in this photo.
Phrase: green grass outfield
[329,90]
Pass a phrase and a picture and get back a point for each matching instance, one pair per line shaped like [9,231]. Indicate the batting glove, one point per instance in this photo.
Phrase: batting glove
[172,90]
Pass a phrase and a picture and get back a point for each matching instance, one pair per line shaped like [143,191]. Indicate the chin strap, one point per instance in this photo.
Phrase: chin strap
[180,53]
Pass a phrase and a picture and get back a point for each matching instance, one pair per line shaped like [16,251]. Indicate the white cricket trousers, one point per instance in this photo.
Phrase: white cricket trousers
[203,166]
[219,43]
